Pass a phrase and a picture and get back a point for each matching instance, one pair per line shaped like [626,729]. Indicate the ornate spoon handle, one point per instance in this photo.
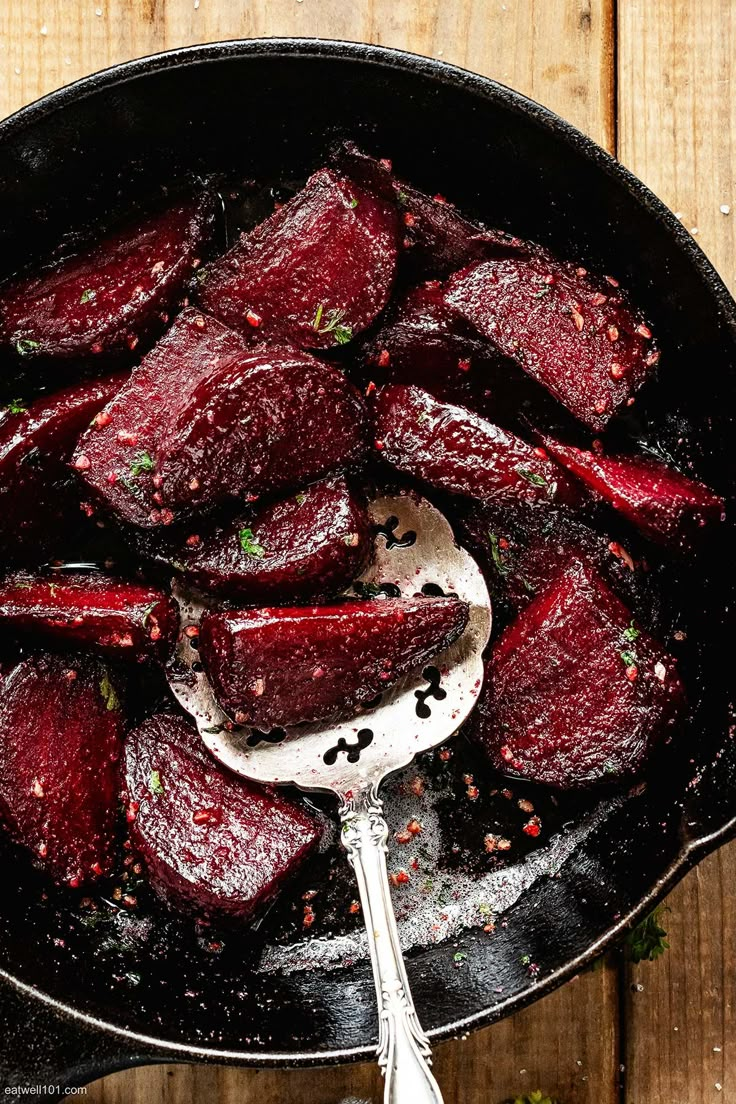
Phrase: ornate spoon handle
[403,1048]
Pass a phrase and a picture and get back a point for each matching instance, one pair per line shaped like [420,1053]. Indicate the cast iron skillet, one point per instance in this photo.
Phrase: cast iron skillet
[270,108]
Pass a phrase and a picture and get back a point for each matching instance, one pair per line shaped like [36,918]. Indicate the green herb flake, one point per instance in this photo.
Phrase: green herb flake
[26,345]
[318,317]
[628,658]
[155,784]
[249,544]
[141,462]
[109,694]
[333,325]
[532,477]
[459,957]
[648,940]
[88,295]
[353,203]
[367,590]
[485,909]
[300,499]
[525,960]
[15,406]
[537,1097]
[212,731]
[147,613]
[402,197]
[502,568]
[632,633]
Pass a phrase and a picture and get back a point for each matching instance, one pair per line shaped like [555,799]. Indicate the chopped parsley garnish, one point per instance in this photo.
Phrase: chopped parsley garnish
[15,406]
[109,694]
[536,1097]
[628,658]
[250,545]
[367,590]
[212,731]
[147,613]
[333,324]
[26,345]
[648,939]
[155,784]
[141,462]
[353,203]
[402,197]
[496,554]
[88,295]
[532,477]
[631,634]
[484,909]
[300,499]
[459,957]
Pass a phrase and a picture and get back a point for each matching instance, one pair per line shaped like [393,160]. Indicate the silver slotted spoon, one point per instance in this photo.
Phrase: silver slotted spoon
[415,553]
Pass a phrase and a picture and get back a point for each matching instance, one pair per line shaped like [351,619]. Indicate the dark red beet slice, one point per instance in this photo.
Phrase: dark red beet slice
[521,550]
[316,272]
[428,343]
[576,334]
[116,456]
[108,297]
[313,543]
[60,742]
[439,240]
[213,843]
[575,692]
[272,667]
[119,618]
[667,506]
[454,450]
[276,419]
[39,496]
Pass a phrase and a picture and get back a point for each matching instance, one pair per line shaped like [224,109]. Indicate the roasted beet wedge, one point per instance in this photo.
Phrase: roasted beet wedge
[575,692]
[454,450]
[39,496]
[311,544]
[117,454]
[212,843]
[272,667]
[577,335]
[118,618]
[276,419]
[667,506]
[316,273]
[61,728]
[522,549]
[107,298]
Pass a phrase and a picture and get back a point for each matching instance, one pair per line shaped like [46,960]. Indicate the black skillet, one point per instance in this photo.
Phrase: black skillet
[269,109]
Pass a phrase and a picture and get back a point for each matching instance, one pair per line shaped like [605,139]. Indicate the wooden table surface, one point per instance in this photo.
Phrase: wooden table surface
[651,81]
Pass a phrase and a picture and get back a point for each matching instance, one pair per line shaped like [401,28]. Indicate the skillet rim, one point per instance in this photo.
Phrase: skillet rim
[442,73]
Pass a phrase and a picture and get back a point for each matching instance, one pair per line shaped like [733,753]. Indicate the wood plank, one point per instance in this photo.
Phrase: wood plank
[559,53]
[677,131]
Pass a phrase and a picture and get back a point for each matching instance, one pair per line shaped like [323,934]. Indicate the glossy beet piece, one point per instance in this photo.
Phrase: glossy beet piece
[212,843]
[108,297]
[60,742]
[316,272]
[575,692]
[313,542]
[272,667]
[521,550]
[667,506]
[116,456]
[273,420]
[575,334]
[454,450]
[122,619]
[39,496]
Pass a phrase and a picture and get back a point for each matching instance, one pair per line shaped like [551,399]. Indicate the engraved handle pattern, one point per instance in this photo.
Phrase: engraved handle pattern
[403,1048]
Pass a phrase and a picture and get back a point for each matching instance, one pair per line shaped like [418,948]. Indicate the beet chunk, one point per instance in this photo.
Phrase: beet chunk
[522,549]
[39,496]
[212,843]
[60,735]
[316,272]
[575,693]
[312,543]
[272,667]
[575,334]
[276,419]
[667,506]
[110,296]
[454,450]
[116,456]
[118,618]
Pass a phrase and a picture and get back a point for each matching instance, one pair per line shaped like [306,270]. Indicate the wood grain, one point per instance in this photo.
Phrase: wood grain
[671,102]
[677,131]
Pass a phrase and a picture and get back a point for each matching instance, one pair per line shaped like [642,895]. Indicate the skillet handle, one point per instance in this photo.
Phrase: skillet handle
[403,1048]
